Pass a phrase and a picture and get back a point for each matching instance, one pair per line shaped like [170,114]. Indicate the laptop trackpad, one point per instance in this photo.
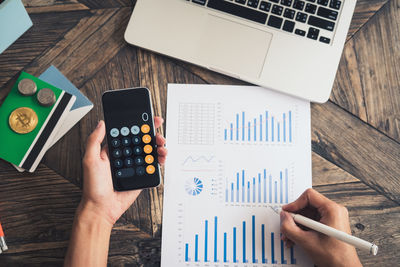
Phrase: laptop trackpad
[233,47]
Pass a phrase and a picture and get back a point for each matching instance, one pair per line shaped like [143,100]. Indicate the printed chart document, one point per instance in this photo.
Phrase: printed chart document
[234,152]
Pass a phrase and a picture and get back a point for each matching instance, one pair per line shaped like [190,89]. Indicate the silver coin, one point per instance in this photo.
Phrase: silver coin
[46,97]
[27,87]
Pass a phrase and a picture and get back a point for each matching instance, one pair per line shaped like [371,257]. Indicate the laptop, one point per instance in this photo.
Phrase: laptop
[291,46]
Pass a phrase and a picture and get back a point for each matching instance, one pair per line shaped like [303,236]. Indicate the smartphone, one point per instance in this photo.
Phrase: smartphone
[129,119]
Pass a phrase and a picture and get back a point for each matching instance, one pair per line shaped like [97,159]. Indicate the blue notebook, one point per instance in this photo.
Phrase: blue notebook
[14,21]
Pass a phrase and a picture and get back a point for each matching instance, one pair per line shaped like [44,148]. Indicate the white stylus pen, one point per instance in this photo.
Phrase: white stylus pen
[329,231]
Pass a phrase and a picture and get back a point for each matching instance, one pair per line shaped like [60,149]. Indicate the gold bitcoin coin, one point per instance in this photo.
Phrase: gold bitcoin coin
[23,120]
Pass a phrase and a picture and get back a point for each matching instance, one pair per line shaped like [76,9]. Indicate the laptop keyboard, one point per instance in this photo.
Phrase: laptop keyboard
[312,19]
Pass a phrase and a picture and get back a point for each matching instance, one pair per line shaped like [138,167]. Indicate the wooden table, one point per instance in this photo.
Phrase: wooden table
[355,135]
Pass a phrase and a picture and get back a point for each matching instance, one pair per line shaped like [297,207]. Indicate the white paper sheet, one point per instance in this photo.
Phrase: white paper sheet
[234,151]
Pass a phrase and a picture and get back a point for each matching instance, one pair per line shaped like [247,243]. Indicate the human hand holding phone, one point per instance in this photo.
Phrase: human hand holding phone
[100,206]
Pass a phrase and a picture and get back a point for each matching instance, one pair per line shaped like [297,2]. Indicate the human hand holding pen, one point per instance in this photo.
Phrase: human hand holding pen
[323,250]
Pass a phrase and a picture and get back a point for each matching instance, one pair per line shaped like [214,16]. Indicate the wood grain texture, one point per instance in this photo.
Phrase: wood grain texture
[49,29]
[367,83]
[357,148]
[43,6]
[326,173]
[365,9]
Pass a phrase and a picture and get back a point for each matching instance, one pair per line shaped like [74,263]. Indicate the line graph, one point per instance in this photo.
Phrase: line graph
[194,159]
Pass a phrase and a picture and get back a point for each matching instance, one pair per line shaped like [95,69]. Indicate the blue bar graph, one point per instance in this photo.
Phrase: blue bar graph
[243,122]
[273,249]
[253,238]
[196,248]
[187,252]
[290,126]
[234,245]
[255,130]
[237,127]
[243,185]
[246,247]
[292,259]
[284,127]
[286,187]
[215,239]
[263,258]
[258,189]
[280,188]
[225,249]
[283,261]
[244,241]
[205,241]
[248,192]
[254,190]
[237,187]
[268,127]
[279,132]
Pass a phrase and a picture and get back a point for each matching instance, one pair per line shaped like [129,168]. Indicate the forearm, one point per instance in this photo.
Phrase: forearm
[90,239]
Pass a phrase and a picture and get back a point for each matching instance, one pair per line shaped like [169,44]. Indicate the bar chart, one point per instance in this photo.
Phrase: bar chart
[263,128]
[249,241]
[264,187]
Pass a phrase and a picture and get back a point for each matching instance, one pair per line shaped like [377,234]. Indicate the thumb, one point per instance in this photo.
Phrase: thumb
[292,231]
[93,146]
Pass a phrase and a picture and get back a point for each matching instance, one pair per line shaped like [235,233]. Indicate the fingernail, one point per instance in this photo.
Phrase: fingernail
[98,124]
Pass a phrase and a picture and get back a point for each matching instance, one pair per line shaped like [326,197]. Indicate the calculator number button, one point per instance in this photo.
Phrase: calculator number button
[145,116]
[135,129]
[126,141]
[127,172]
[128,162]
[139,160]
[146,138]
[127,151]
[117,153]
[118,163]
[136,140]
[114,132]
[115,142]
[137,150]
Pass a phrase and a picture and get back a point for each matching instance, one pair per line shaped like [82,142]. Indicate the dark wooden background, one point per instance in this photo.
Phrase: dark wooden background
[355,135]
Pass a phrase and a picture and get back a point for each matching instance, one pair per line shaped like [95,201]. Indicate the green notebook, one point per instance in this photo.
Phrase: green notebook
[27,150]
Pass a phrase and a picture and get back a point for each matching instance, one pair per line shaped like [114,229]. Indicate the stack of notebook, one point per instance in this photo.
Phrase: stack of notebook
[26,150]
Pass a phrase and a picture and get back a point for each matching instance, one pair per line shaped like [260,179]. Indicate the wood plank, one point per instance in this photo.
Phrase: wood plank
[87,47]
[325,172]
[372,217]
[37,209]
[47,30]
[365,9]
[368,78]
[43,6]
[94,4]
[357,148]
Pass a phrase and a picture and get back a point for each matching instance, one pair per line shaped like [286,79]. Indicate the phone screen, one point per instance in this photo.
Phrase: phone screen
[131,138]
